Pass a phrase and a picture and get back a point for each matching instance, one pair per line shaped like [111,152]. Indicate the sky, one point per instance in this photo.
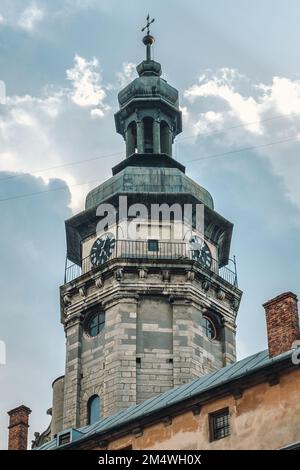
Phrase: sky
[236,66]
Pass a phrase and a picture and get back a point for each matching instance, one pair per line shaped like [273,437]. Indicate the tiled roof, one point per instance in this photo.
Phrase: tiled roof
[171,397]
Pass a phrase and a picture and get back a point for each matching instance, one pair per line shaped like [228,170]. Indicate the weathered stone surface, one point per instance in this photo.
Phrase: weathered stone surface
[152,341]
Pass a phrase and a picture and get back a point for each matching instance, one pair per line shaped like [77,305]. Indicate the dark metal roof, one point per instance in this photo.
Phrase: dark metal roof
[191,389]
[294,446]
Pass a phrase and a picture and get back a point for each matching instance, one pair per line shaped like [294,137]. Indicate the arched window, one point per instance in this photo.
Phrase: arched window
[209,328]
[165,138]
[148,135]
[131,139]
[93,409]
[95,323]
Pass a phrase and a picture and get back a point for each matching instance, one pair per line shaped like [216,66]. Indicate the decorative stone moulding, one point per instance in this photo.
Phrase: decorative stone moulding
[220,294]
[166,275]
[173,298]
[235,304]
[205,285]
[190,276]
[119,274]
[99,281]
[143,273]
[82,291]
[67,299]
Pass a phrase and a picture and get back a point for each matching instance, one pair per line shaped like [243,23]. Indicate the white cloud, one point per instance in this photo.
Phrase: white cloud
[2,92]
[97,113]
[87,85]
[127,74]
[222,86]
[2,19]
[54,130]
[246,111]
[25,123]
[207,120]
[30,17]
[27,141]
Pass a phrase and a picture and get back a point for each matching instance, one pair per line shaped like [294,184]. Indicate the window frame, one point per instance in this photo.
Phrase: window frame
[96,313]
[154,241]
[64,438]
[205,329]
[214,430]
[89,409]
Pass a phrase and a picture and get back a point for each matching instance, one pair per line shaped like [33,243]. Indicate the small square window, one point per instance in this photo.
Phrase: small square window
[64,439]
[219,424]
[152,245]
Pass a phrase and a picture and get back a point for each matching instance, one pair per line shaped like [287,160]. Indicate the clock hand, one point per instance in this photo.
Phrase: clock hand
[106,242]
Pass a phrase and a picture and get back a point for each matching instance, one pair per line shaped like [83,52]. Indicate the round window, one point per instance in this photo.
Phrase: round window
[209,328]
[95,323]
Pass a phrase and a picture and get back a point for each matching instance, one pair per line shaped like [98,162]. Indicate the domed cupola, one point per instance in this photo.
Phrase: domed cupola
[149,117]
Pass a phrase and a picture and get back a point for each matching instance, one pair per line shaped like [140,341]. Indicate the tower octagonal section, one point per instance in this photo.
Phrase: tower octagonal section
[166,321]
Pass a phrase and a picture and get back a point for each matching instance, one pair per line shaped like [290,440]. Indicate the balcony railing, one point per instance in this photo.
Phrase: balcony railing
[145,251]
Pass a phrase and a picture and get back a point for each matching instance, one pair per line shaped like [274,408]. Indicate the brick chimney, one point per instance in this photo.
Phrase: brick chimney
[18,428]
[282,323]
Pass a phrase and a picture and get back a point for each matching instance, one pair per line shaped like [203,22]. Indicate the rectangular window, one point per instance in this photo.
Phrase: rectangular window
[152,245]
[64,439]
[219,424]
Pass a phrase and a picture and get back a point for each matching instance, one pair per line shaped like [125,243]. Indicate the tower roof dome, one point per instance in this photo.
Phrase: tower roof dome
[149,97]
[148,86]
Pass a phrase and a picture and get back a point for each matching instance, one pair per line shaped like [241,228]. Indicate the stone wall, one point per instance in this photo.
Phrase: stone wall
[57,406]
[152,341]
[154,373]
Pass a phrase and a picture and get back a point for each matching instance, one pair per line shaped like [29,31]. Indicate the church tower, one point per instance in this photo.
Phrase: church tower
[149,301]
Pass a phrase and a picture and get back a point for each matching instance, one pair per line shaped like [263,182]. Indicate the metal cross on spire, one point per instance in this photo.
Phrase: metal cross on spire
[149,22]
[148,40]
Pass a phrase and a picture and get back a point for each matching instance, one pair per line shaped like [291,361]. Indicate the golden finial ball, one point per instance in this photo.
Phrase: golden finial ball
[148,39]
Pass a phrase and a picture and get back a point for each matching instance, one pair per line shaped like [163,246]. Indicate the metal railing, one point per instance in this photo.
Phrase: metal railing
[144,250]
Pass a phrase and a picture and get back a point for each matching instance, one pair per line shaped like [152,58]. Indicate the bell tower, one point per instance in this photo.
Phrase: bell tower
[150,298]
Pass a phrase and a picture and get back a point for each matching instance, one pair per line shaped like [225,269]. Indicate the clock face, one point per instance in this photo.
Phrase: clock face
[102,249]
[200,251]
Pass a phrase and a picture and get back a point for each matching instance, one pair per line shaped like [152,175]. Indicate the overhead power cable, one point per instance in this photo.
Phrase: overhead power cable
[60,188]
[244,149]
[296,137]
[77,162]
[227,129]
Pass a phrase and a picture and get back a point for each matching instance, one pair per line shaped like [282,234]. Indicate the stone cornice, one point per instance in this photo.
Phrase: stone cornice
[131,293]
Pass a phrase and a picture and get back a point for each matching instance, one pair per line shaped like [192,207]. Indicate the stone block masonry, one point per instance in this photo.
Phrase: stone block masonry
[152,341]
